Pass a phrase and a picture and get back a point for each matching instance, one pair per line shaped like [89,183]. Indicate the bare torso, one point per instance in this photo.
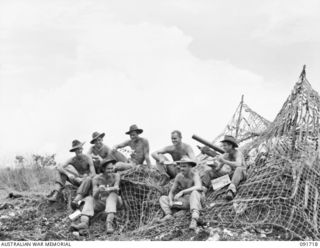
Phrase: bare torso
[178,152]
[184,182]
[138,147]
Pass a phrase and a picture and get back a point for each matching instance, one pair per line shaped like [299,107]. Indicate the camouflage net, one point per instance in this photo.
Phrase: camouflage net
[283,172]
[282,189]
[245,124]
[140,193]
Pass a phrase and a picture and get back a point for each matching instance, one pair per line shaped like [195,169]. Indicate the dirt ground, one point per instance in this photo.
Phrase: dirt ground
[31,217]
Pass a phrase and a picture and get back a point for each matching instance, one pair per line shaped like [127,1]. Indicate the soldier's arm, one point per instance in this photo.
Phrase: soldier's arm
[121,145]
[65,164]
[217,164]
[174,188]
[233,164]
[91,166]
[95,189]
[117,181]
[62,168]
[116,186]
[190,152]
[156,154]
[146,152]
[206,150]
[197,184]
[90,154]
[108,150]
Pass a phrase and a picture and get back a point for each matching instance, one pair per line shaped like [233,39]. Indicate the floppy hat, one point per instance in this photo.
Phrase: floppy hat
[76,144]
[95,136]
[230,139]
[105,161]
[134,128]
[187,161]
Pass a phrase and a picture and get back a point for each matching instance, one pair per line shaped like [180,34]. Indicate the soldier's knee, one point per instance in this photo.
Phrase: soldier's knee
[163,199]
[239,170]
[195,193]
[87,180]
[59,169]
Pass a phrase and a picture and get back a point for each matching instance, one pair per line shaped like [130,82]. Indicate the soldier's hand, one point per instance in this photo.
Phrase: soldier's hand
[102,188]
[162,160]
[116,189]
[177,196]
[221,159]
[205,150]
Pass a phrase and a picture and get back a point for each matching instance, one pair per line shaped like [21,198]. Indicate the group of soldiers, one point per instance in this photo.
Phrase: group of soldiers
[96,174]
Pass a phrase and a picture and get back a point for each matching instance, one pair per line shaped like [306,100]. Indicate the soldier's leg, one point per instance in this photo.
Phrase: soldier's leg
[111,209]
[72,174]
[209,175]
[61,179]
[165,206]
[172,170]
[163,170]
[97,166]
[118,156]
[160,166]
[86,213]
[83,191]
[122,166]
[238,175]
[195,207]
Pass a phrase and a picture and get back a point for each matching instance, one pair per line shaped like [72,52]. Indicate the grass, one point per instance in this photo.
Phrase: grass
[27,180]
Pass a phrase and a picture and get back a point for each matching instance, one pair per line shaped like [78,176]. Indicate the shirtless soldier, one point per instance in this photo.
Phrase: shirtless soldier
[186,193]
[230,163]
[78,170]
[105,197]
[98,151]
[177,150]
[140,147]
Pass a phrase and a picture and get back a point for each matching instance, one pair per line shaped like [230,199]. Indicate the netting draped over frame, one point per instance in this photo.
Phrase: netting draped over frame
[283,182]
[282,189]
[245,124]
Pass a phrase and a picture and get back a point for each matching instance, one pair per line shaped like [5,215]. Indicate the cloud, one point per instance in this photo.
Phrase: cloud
[97,73]
[289,22]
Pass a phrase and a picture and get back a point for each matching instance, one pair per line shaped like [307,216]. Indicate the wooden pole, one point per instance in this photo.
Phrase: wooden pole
[239,118]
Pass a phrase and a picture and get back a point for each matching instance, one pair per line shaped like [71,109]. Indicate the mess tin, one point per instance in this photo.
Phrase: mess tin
[75,215]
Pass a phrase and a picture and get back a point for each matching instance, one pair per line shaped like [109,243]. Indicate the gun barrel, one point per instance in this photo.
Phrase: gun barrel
[207,143]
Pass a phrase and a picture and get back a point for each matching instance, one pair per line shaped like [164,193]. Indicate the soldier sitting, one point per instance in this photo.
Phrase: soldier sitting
[78,171]
[140,147]
[98,151]
[178,150]
[230,163]
[186,193]
[105,197]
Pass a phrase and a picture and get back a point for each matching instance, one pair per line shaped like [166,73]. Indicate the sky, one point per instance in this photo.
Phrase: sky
[72,67]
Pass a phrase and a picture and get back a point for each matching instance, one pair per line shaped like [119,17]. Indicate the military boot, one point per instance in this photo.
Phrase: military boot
[193,224]
[84,223]
[54,196]
[194,219]
[109,223]
[230,195]
[75,203]
[231,192]
[166,218]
